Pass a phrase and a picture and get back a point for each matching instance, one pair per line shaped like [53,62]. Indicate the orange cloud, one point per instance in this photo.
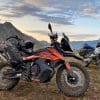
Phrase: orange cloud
[78,37]
[40,36]
[37,3]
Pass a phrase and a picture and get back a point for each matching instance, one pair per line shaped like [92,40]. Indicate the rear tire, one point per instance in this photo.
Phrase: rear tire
[7,84]
[73,89]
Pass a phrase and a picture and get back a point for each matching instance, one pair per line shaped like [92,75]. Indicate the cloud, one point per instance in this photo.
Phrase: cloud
[25,7]
[72,37]
[37,31]
[37,3]
[56,11]
[83,37]
[39,35]
[90,9]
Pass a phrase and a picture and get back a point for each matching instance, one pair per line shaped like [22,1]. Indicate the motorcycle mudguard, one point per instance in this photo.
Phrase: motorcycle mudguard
[63,63]
[65,45]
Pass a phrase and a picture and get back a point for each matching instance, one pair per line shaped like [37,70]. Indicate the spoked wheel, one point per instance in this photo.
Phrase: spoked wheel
[7,84]
[73,83]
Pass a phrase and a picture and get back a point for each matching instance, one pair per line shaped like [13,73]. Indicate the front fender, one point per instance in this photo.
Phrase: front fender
[58,63]
[63,63]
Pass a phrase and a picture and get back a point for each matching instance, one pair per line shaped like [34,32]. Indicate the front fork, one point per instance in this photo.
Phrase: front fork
[68,66]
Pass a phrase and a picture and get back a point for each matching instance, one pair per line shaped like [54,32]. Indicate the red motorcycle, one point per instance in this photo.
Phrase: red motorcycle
[72,79]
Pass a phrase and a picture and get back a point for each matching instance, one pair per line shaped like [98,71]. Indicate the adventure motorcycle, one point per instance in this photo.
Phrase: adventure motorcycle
[91,56]
[72,79]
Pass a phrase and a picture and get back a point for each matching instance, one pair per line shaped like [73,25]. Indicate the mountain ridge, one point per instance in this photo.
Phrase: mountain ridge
[75,44]
[79,44]
[7,29]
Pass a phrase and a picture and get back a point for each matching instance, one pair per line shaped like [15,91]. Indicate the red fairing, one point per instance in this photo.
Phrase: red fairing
[31,57]
[51,55]
[55,53]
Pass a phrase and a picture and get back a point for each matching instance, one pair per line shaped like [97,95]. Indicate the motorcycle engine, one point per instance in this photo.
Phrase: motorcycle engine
[41,71]
[35,70]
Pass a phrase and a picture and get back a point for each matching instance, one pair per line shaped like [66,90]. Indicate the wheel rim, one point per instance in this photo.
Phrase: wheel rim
[76,83]
[74,80]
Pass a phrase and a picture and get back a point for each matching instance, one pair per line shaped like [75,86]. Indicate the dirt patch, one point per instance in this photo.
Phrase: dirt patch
[29,91]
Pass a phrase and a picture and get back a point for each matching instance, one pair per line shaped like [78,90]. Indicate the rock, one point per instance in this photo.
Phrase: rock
[7,29]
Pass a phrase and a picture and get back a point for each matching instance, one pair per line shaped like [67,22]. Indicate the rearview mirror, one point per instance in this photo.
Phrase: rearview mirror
[50,28]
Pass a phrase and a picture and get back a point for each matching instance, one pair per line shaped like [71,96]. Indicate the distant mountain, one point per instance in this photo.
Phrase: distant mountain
[75,44]
[7,29]
[79,44]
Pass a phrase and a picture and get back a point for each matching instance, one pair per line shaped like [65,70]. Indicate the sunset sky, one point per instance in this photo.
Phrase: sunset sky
[79,19]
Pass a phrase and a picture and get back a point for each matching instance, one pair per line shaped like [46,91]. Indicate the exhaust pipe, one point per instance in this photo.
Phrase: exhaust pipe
[12,75]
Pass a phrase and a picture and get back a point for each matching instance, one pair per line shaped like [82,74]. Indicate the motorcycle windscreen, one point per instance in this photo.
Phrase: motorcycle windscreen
[65,45]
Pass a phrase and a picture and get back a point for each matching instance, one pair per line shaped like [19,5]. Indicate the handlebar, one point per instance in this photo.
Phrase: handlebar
[55,36]
[50,28]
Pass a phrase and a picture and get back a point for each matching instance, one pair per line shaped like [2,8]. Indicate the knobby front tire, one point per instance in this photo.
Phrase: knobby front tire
[73,89]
